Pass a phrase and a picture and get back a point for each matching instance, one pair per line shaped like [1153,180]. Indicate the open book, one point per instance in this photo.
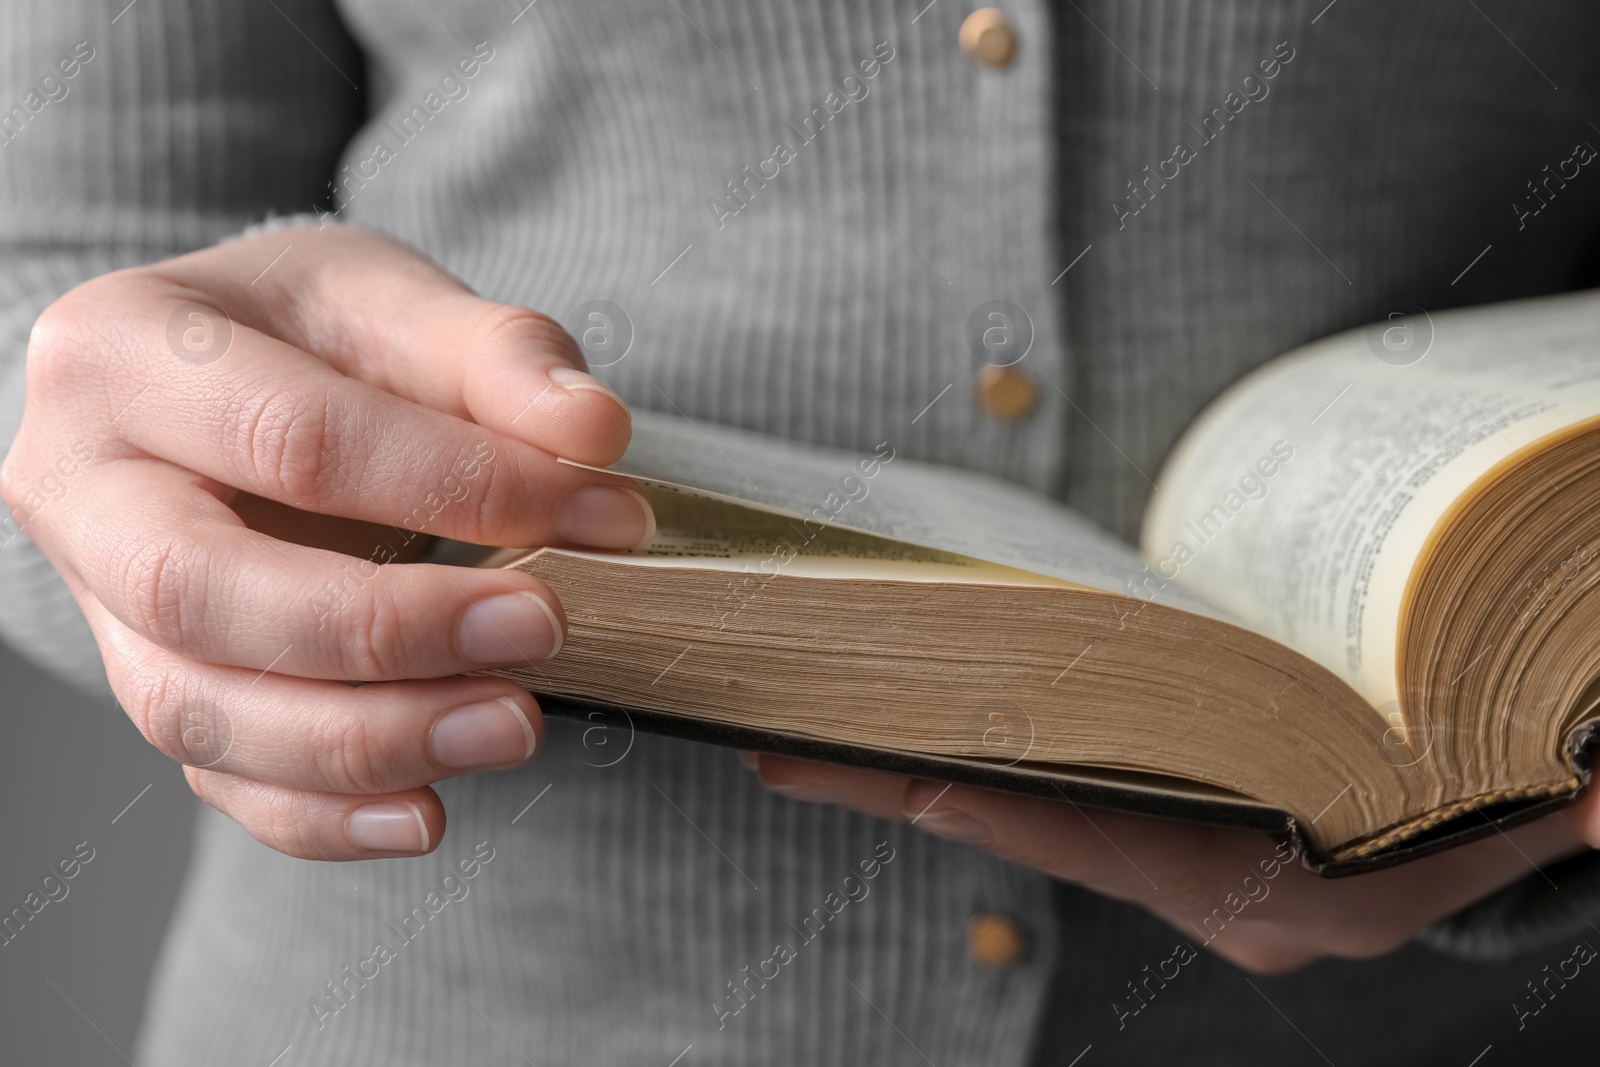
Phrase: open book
[1364,613]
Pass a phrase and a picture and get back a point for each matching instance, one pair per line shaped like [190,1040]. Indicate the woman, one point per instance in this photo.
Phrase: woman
[791,211]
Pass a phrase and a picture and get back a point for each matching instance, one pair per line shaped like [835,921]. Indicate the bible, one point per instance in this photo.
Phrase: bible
[1362,613]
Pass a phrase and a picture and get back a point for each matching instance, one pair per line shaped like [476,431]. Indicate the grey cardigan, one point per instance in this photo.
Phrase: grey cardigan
[799,204]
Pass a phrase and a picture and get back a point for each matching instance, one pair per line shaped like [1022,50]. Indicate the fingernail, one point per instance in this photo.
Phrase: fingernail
[510,628]
[389,827]
[480,736]
[607,516]
[568,378]
[954,825]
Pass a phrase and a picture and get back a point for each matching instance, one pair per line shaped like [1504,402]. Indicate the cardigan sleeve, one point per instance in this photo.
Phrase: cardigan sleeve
[127,139]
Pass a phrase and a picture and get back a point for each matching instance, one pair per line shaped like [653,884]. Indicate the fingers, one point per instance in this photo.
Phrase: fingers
[1196,878]
[871,792]
[322,826]
[322,736]
[323,374]
[318,769]
[1242,894]
[1058,838]
[1134,858]
[379,311]
[283,425]
[170,562]
[345,381]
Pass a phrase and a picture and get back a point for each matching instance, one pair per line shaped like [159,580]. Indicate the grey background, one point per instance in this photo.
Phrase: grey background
[72,984]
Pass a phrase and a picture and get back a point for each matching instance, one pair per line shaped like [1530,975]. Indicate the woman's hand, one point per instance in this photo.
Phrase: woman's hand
[1243,894]
[229,456]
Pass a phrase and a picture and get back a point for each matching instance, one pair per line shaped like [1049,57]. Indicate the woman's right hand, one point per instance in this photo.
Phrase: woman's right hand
[230,456]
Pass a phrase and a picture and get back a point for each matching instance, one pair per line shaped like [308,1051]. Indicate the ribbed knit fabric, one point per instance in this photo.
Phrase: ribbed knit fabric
[590,157]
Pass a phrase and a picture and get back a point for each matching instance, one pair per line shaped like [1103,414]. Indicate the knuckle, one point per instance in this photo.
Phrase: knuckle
[287,443]
[352,760]
[60,335]
[374,643]
[30,486]
[277,822]
[155,699]
[491,498]
[56,336]
[269,816]
[14,480]
[200,784]
[176,716]
[514,326]
[472,498]
[148,700]
[64,343]
[156,579]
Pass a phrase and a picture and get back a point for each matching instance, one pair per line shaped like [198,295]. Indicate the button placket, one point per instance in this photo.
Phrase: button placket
[996,940]
[989,38]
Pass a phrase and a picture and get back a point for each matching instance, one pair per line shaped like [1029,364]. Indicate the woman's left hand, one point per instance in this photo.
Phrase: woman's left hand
[1268,914]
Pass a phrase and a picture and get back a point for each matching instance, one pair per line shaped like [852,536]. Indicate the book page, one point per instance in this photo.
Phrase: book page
[884,493]
[1302,499]
[705,531]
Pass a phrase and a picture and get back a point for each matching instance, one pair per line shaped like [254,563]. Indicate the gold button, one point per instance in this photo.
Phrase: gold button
[988,38]
[1006,392]
[995,940]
